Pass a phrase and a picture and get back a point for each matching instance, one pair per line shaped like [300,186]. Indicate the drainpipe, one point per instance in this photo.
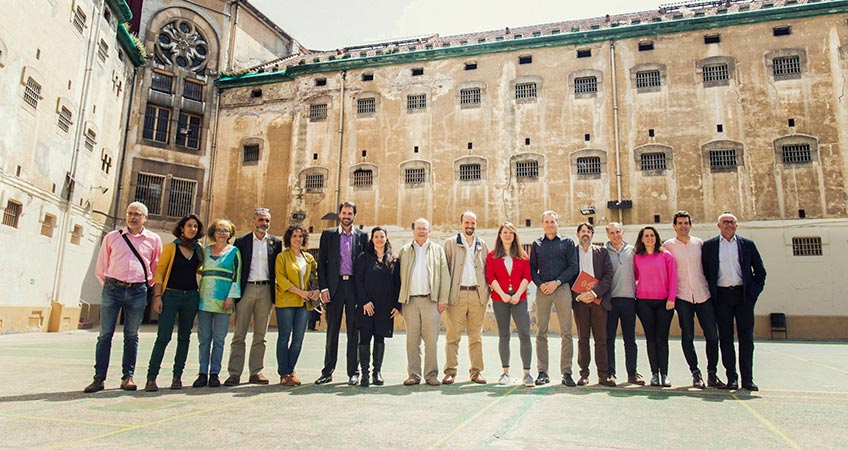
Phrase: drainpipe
[116,202]
[213,150]
[72,173]
[341,142]
[617,143]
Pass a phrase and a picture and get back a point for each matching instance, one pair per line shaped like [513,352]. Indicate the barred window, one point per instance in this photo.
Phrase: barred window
[32,93]
[796,153]
[468,97]
[48,225]
[585,85]
[148,190]
[416,102]
[716,72]
[103,50]
[161,82]
[469,172]
[525,90]
[192,90]
[315,181]
[807,246]
[723,159]
[188,131]
[12,213]
[76,235]
[527,169]
[414,176]
[363,177]
[653,161]
[90,139]
[366,105]
[786,66]
[156,123]
[181,197]
[648,78]
[250,153]
[65,116]
[588,165]
[318,112]
[79,19]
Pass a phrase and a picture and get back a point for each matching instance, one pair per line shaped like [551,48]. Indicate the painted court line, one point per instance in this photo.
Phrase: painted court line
[767,424]
[472,418]
[810,361]
[54,419]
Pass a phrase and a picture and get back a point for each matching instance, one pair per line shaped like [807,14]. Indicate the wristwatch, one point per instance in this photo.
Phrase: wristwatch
[558,282]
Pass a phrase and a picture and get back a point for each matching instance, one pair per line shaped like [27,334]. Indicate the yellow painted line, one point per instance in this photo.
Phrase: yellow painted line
[170,419]
[806,360]
[767,424]
[53,419]
[473,418]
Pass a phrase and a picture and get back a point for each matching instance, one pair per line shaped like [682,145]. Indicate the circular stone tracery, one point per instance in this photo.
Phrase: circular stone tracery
[180,43]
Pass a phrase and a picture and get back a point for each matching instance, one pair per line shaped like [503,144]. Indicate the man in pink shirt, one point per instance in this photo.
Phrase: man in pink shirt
[125,278]
[693,298]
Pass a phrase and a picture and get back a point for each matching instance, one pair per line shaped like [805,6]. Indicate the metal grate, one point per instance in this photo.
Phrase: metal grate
[12,213]
[786,65]
[527,169]
[79,19]
[148,190]
[181,197]
[416,102]
[469,96]
[65,116]
[90,139]
[103,50]
[156,123]
[723,159]
[192,90]
[366,105]
[807,246]
[318,112]
[363,177]
[652,161]
[717,72]
[250,153]
[469,172]
[588,165]
[188,131]
[648,78]
[32,93]
[414,176]
[525,90]
[161,82]
[315,181]
[585,85]
[796,153]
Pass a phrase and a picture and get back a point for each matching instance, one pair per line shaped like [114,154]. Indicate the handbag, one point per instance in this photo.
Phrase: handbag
[311,285]
[143,267]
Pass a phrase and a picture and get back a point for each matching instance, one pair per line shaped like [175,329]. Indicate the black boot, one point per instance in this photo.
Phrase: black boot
[364,360]
[379,351]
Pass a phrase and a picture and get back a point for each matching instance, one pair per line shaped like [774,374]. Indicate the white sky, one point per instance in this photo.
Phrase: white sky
[330,24]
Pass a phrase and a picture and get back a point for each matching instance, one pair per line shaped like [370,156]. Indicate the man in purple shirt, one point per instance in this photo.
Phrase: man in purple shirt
[337,251]
[125,278]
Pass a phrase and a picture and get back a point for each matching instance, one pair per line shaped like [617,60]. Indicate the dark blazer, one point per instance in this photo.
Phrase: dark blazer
[602,266]
[329,258]
[753,271]
[245,246]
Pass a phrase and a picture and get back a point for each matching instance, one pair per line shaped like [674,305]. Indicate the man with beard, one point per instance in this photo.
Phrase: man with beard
[259,252]
[337,251]
[469,293]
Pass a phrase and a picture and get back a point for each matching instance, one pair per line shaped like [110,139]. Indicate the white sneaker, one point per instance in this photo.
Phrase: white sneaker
[504,379]
[528,381]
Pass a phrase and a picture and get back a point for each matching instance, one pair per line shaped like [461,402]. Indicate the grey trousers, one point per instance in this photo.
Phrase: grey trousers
[521,316]
[562,299]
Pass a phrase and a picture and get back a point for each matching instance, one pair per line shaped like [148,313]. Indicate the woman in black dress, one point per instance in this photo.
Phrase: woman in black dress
[376,301]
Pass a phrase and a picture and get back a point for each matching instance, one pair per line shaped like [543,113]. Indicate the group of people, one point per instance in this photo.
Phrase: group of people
[359,278]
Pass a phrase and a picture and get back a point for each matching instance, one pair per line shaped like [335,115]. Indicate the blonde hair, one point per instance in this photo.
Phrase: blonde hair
[516,251]
[211,231]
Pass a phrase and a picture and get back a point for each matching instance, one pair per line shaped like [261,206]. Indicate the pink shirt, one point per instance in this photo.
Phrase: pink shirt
[691,282]
[117,261]
[656,276]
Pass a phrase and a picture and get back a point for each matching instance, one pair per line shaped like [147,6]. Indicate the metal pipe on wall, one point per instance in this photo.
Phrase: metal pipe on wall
[617,143]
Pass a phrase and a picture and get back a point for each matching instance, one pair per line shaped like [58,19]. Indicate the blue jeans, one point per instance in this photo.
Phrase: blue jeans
[623,309]
[133,300]
[686,313]
[175,303]
[291,322]
[211,332]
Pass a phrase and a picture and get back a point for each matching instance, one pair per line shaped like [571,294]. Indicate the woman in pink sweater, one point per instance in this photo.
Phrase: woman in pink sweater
[656,287]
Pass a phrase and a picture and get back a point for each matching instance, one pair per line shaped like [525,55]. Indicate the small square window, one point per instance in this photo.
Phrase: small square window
[527,169]
[363,177]
[807,246]
[366,105]
[250,153]
[414,176]
[589,165]
[525,91]
[318,112]
[418,71]
[12,213]
[471,66]
[469,97]
[723,159]
[556,31]
[646,46]
[320,82]
[315,181]
[653,161]
[584,53]
[517,36]
[416,102]
[537,33]
[712,39]
[469,172]
[367,77]
[586,85]
[256,93]
[782,31]
[526,59]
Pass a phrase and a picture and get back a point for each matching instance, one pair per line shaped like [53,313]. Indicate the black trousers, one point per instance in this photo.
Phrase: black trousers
[343,303]
[731,306]
[656,321]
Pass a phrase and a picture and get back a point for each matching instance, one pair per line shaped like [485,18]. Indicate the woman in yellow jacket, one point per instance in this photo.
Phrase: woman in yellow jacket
[294,268]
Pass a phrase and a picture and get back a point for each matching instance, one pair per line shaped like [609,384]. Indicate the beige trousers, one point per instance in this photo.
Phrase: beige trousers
[421,316]
[255,304]
[561,298]
[467,314]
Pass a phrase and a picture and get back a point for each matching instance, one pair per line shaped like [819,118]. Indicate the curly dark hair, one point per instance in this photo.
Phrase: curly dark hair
[640,248]
[290,231]
[178,230]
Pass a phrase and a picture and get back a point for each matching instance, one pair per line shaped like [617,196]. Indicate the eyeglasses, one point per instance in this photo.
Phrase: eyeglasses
[135,214]
[728,222]
[222,231]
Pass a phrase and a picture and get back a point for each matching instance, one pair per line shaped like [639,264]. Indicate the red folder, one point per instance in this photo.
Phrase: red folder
[585,282]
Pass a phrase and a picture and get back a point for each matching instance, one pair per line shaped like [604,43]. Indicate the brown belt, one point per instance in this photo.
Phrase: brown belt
[259,283]
[468,288]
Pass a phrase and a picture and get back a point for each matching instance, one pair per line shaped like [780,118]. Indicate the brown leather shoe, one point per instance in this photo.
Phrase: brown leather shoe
[176,384]
[295,379]
[151,386]
[434,381]
[477,378]
[448,379]
[258,379]
[128,384]
[286,380]
[95,386]
[412,380]
[232,381]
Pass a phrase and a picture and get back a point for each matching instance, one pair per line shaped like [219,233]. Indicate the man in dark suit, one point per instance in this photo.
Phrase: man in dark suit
[259,252]
[736,277]
[338,250]
[591,306]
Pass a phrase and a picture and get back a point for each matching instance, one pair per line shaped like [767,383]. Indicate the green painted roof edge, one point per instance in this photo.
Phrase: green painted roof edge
[559,40]
[135,52]
[121,9]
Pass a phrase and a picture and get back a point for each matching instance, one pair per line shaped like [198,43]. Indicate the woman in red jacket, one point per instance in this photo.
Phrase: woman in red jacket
[508,274]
